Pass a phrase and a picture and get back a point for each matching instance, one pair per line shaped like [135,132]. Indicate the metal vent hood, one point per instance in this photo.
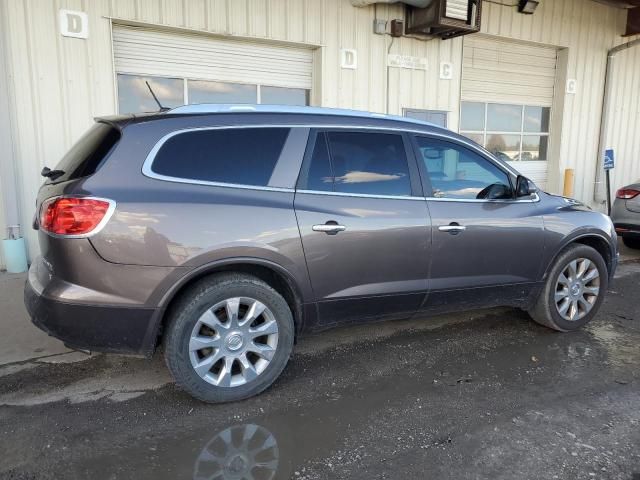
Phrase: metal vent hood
[413,3]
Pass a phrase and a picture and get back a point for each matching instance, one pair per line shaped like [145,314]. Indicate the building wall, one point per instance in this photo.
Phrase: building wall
[623,126]
[58,84]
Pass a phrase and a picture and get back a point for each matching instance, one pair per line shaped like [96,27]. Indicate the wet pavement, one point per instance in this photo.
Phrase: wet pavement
[477,395]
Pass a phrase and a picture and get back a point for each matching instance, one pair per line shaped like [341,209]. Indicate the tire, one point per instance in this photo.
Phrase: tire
[547,312]
[631,242]
[226,379]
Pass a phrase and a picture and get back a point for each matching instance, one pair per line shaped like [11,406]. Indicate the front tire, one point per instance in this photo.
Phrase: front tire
[573,290]
[229,337]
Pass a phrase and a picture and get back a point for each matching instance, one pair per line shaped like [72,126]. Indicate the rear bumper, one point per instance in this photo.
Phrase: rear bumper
[100,328]
[627,229]
[625,221]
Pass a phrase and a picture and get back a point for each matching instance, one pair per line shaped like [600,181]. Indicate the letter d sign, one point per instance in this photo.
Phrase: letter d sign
[74,24]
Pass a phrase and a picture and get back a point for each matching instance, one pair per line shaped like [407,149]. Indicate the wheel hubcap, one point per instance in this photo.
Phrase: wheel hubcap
[243,452]
[233,342]
[577,289]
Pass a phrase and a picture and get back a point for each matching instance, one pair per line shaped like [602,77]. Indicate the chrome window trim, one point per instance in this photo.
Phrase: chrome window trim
[148,163]
[148,172]
[95,231]
[535,198]
[360,195]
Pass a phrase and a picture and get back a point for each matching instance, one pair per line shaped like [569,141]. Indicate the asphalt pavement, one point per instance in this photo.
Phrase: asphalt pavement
[484,394]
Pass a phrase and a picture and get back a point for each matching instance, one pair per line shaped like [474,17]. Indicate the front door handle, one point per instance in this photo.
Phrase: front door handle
[453,228]
[330,228]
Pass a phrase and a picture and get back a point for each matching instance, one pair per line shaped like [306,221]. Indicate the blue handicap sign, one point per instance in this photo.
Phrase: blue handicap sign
[608,159]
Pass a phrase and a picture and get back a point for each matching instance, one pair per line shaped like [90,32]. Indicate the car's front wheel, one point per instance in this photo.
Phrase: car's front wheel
[573,291]
[229,337]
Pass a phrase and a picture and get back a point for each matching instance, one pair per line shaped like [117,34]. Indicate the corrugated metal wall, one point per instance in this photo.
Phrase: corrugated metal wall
[623,127]
[58,84]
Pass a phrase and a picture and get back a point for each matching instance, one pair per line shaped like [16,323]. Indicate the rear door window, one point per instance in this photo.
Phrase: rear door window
[86,154]
[243,156]
[370,163]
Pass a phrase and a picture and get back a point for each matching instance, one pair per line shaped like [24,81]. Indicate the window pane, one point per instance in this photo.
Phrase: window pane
[503,118]
[456,172]
[201,91]
[472,116]
[87,153]
[505,147]
[534,147]
[536,119]
[370,163]
[476,137]
[244,156]
[437,118]
[284,96]
[134,95]
[320,177]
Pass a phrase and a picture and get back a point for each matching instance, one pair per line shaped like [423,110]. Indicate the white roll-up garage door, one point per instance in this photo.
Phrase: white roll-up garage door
[497,71]
[176,54]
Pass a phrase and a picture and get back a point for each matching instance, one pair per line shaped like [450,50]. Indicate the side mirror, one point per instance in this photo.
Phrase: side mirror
[524,187]
[495,191]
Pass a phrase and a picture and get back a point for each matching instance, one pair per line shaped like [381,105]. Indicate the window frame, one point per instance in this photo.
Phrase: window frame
[521,133]
[282,179]
[414,174]
[407,110]
[426,181]
[185,88]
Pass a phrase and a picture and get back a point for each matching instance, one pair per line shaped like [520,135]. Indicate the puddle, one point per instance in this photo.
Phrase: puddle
[621,348]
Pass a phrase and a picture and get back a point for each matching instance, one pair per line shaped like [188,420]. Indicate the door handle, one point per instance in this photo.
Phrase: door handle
[453,228]
[330,228]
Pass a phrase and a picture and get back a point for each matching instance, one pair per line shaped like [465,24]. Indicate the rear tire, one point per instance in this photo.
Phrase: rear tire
[631,242]
[573,291]
[228,338]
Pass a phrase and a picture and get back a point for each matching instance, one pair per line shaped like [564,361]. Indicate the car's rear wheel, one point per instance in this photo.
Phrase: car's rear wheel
[229,337]
[573,290]
[631,241]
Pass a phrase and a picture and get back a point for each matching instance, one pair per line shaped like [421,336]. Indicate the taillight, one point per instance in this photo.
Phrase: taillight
[74,215]
[627,193]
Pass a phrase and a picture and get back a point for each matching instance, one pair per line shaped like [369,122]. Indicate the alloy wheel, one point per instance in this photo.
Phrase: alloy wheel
[242,452]
[233,342]
[577,289]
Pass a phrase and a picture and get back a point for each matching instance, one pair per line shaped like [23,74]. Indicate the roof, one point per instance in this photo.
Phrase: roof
[204,108]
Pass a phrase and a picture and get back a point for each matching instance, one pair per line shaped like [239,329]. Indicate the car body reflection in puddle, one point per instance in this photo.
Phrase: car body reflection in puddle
[241,452]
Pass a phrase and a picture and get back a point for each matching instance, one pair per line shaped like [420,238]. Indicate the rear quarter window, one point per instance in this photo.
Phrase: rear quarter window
[242,156]
[84,158]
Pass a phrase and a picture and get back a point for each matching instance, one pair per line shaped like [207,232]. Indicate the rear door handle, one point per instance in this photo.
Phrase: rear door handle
[330,228]
[453,228]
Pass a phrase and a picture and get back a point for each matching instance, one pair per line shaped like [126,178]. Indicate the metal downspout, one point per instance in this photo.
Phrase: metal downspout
[599,194]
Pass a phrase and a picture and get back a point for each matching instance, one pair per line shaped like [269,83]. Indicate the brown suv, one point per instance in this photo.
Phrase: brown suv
[226,232]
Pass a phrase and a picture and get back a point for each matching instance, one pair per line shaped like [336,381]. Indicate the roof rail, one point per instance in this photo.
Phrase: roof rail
[249,108]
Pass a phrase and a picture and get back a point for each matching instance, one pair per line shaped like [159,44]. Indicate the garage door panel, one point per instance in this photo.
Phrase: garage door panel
[480,58]
[507,68]
[510,93]
[520,78]
[508,72]
[150,52]
[206,72]
[536,171]
[506,46]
